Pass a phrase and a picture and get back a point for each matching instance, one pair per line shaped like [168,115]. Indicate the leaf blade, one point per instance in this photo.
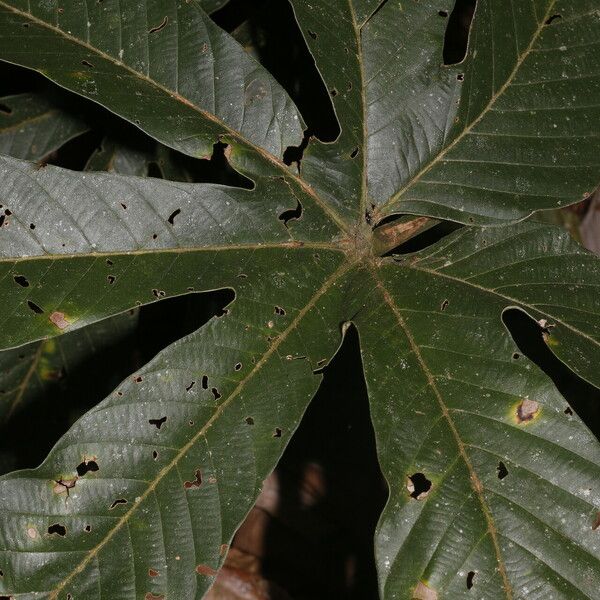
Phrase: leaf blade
[192,132]
[505,461]
[482,165]
[35,126]
[91,231]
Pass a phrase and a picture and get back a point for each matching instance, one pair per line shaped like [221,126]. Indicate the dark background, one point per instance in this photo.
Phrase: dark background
[314,540]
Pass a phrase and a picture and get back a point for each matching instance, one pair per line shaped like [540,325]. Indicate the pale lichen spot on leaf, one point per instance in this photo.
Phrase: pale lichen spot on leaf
[526,411]
[424,592]
[59,319]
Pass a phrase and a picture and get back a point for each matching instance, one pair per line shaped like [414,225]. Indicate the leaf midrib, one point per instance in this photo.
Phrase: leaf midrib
[438,158]
[333,215]
[22,387]
[124,520]
[288,245]
[356,28]
[33,119]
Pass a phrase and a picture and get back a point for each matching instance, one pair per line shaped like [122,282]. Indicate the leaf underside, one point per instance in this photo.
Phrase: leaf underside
[493,481]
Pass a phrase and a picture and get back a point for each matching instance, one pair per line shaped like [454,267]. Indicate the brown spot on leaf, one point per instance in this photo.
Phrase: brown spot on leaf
[527,410]
[223,549]
[64,485]
[152,573]
[151,596]
[596,523]
[424,592]
[59,319]
[205,570]
[197,481]
[391,235]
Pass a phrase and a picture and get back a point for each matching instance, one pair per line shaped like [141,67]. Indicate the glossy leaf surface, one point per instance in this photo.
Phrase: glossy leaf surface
[493,479]
[32,126]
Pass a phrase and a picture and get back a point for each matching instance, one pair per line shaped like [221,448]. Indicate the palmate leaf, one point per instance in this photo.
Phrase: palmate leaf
[493,480]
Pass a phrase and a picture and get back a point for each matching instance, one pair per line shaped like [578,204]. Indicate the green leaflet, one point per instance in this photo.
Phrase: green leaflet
[504,133]
[32,126]
[107,49]
[493,487]
[445,407]
[40,378]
